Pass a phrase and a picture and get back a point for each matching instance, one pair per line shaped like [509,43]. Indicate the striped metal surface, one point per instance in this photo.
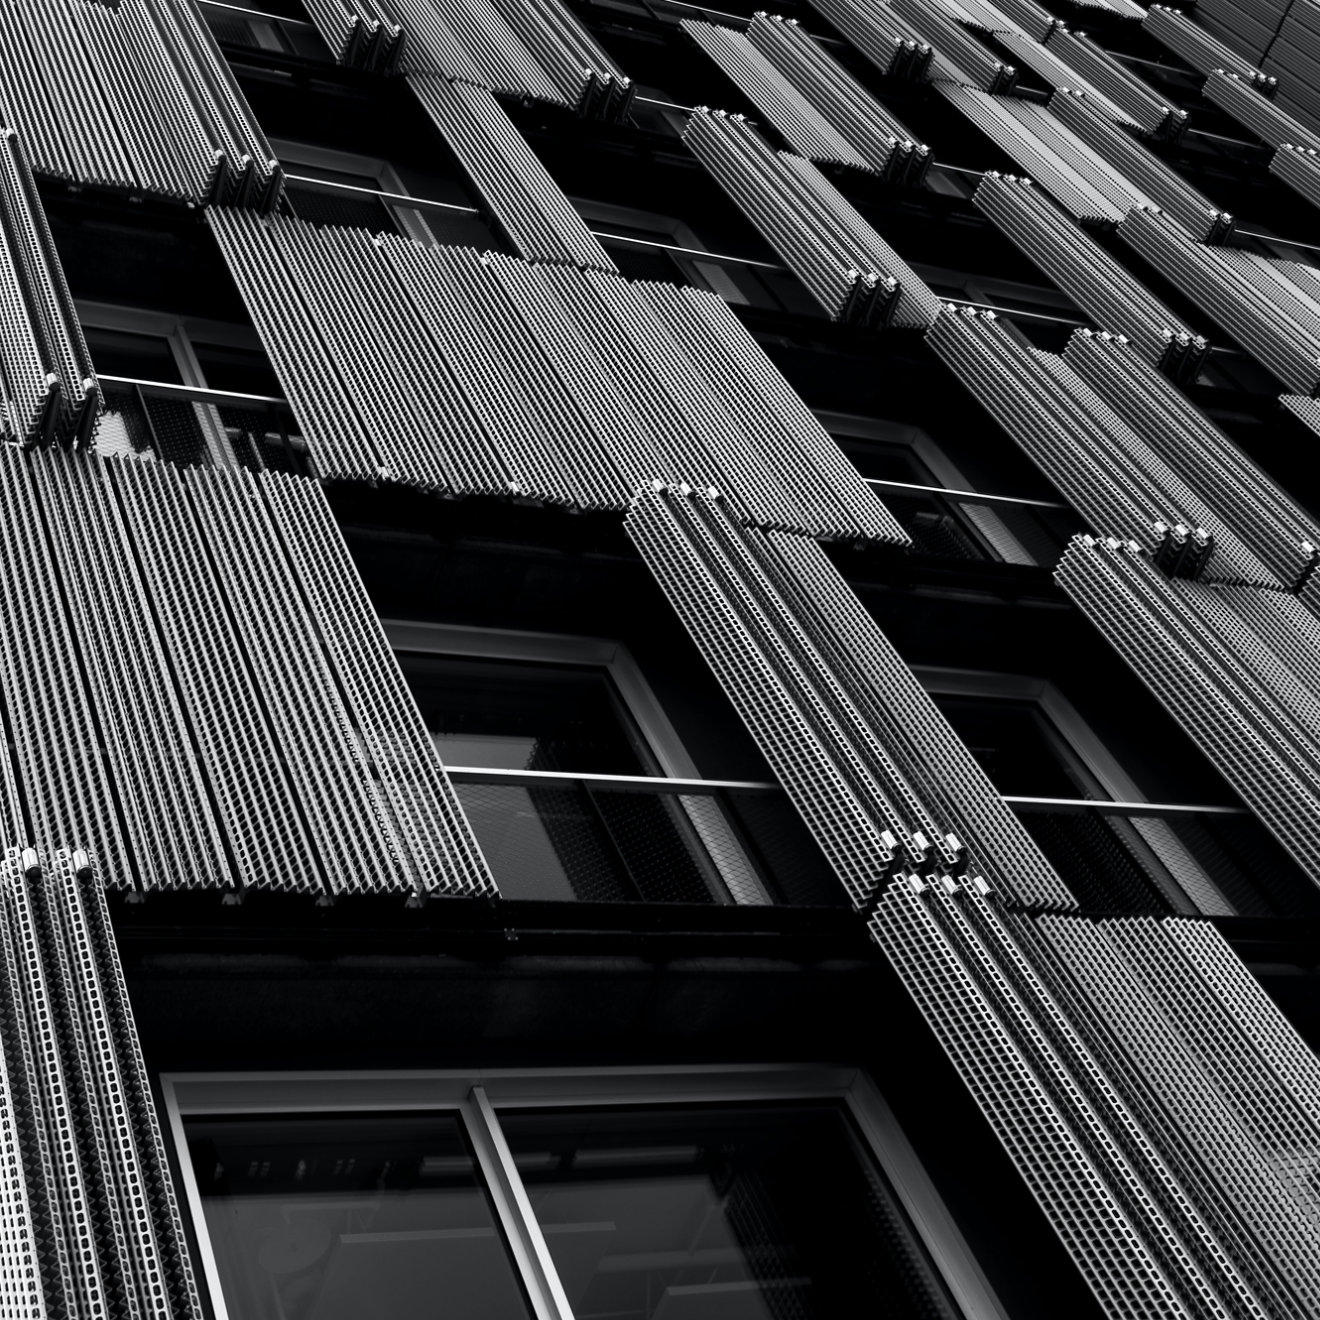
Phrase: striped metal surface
[861,750]
[1205,53]
[896,48]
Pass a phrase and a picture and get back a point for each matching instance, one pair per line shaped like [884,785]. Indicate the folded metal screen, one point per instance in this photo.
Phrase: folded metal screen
[1209,660]
[1104,468]
[1276,321]
[1145,173]
[844,264]
[1112,1098]
[1024,17]
[1248,26]
[1299,168]
[91,1222]
[896,48]
[49,385]
[884,143]
[1110,76]
[539,382]
[1079,266]
[958,54]
[1240,100]
[1176,32]
[179,127]
[1292,54]
[1278,530]
[1055,72]
[516,189]
[358,33]
[869,762]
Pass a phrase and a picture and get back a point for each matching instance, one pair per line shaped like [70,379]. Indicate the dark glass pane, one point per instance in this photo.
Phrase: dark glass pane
[350,1217]
[240,370]
[512,716]
[720,1213]
[140,357]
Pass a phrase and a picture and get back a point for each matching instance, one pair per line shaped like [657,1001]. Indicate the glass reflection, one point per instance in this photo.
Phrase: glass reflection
[353,1217]
[719,1213]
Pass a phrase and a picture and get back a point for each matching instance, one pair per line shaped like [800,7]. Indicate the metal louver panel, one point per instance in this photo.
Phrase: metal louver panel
[1105,469]
[517,189]
[1304,408]
[895,48]
[1274,320]
[1248,26]
[885,144]
[1278,530]
[787,106]
[1238,99]
[358,34]
[135,98]
[1079,266]
[93,1226]
[1180,34]
[1299,168]
[1020,16]
[1116,81]
[1050,67]
[1048,152]
[958,54]
[859,747]
[50,388]
[541,382]
[1149,179]
[483,40]
[1196,649]
[845,265]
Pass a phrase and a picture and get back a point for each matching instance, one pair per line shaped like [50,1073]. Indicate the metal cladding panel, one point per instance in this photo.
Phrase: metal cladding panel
[957,52]
[239,751]
[172,831]
[1261,1223]
[1148,178]
[1256,306]
[136,98]
[1079,266]
[1112,78]
[867,760]
[886,145]
[1065,1178]
[94,1216]
[788,106]
[56,743]
[1253,717]
[1084,185]
[441,853]
[895,47]
[1242,101]
[504,62]
[1054,71]
[1299,168]
[1023,17]
[846,266]
[1176,32]
[1278,531]
[516,188]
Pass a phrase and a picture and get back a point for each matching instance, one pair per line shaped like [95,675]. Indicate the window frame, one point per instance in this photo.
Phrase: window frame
[474,1096]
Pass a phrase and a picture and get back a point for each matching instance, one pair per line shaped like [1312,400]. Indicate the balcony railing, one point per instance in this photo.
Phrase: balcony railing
[624,838]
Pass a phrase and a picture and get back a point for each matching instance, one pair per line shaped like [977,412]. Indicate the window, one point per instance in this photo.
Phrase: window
[570,773]
[745,1193]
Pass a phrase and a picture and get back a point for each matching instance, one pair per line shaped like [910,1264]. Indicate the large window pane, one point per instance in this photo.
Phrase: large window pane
[354,1217]
[719,1213]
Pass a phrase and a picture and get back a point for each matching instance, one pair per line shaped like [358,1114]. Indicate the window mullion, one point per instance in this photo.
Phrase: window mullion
[514,1208]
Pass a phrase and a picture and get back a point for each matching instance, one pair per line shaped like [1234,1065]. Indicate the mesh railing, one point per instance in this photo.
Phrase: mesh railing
[597,839]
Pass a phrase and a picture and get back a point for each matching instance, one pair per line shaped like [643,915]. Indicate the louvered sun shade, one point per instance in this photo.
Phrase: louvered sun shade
[821,110]
[89,1225]
[46,376]
[1147,1090]
[542,382]
[845,265]
[136,98]
[895,48]
[864,755]
[525,48]
[256,728]
[1079,266]
[1106,469]
[1175,31]
[516,188]
[1278,530]
[1299,168]
[1054,71]
[959,56]
[1234,666]
[1272,316]
[1116,81]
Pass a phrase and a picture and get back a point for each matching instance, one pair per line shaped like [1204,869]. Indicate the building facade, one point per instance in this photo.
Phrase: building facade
[659,663]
